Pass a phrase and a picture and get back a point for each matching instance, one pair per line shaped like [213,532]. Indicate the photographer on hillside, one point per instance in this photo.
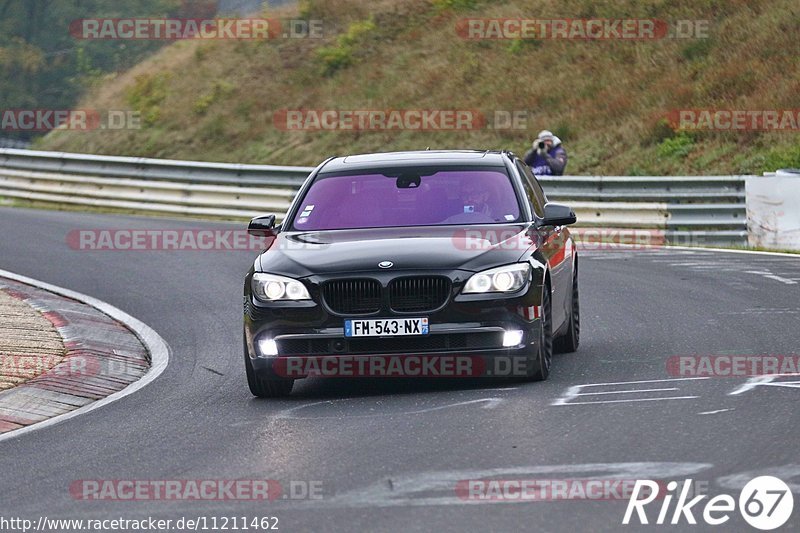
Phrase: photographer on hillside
[547,156]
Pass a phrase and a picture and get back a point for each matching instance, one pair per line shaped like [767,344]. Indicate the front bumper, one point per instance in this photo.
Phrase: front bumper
[469,333]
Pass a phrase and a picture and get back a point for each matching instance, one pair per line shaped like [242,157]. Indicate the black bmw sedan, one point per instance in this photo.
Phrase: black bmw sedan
[412,264]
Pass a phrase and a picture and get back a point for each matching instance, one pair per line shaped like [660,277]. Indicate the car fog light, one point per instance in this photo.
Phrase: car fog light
[268,347]
[512,338]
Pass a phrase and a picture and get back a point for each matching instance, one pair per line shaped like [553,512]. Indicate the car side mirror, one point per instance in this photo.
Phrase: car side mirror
[558,215]
[263,226]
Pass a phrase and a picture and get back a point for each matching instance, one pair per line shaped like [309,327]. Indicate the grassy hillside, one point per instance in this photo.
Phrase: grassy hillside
[44,68]
[606,99]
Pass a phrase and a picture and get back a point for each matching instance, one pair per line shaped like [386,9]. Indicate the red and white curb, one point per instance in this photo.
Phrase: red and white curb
[110,355]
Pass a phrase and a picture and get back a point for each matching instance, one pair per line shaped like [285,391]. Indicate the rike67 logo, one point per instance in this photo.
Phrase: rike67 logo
[766,503]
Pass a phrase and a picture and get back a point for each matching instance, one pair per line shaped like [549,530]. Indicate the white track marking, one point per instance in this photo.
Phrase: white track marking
[770,275]
[633,400]
[576,391]
[488,403]
[624,391]
[155,345]
[715,412]
[767,381]
[642,381]
[751,383]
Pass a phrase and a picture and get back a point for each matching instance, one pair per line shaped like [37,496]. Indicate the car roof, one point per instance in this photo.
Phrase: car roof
[481,158]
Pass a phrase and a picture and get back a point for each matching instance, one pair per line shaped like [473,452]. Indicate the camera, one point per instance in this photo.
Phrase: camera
[541,145]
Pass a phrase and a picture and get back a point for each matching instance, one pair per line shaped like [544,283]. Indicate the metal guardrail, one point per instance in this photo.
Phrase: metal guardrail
[148,185]
[689,209]
[708,210]
[154,169]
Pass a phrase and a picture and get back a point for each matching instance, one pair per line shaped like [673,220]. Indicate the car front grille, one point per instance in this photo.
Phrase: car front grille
[418,294]
[353,296]
[443,342]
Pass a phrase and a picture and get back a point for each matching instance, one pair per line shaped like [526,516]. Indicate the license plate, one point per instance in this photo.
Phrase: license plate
[386,327]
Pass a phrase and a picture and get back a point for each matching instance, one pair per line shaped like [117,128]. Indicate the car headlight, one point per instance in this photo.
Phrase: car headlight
[510,278]
[272,288]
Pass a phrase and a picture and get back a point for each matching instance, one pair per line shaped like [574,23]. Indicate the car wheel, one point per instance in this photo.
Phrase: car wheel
[544,359]
[265,388]
[569,342]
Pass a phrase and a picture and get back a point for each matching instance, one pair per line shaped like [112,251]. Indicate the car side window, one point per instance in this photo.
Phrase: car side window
[532,189]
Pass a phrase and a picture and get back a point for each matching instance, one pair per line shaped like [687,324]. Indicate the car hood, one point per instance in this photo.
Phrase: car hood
[471,248]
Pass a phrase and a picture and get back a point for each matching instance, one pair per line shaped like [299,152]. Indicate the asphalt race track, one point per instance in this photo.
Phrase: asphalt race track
[389,454]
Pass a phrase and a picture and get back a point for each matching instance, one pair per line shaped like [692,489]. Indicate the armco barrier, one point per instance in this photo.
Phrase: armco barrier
[708,210]
[148,185]
[705,210]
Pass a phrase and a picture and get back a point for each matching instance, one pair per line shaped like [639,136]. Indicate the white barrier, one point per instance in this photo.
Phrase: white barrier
[773,211]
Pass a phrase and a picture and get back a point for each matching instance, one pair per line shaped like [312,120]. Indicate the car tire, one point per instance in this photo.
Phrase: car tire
[569,341]
[541,364]
[265,388]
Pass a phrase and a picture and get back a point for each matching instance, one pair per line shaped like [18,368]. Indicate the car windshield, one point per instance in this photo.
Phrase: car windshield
[408,197]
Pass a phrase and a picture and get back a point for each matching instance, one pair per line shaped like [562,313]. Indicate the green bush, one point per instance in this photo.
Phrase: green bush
[779,158]
[341,55]
[146,96]
[220,90]
[334,58]
[676,147]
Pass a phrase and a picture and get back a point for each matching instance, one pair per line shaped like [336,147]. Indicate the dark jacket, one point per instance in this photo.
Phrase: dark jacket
[550,164]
